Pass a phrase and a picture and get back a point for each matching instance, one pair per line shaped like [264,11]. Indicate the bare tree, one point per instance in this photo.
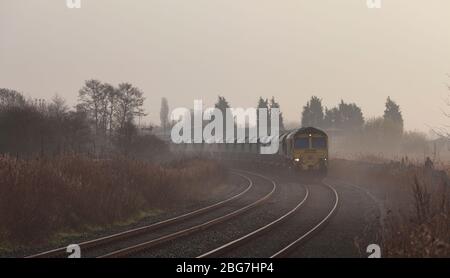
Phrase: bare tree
[92,98]
[11,98]
[443,131]
[129,104]
[109,106]
[57,107]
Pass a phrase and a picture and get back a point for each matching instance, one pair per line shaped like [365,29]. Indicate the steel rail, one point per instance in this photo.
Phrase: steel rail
[141,230]
[154,242]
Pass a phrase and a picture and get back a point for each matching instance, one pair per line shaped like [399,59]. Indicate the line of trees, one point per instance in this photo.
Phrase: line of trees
[105,121]
[348,116]
[38,127]
[380,134]
[265,103]
[222,104]
[111,108]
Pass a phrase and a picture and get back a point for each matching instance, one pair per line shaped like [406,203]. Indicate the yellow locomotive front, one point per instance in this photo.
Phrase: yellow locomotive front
[307,149]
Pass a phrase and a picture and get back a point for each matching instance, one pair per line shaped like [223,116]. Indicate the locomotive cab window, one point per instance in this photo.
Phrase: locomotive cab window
[319,143]
[302,143]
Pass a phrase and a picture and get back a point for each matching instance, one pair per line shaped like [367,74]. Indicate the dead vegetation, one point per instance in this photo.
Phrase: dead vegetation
[416,204]
[44,196]
[425,232]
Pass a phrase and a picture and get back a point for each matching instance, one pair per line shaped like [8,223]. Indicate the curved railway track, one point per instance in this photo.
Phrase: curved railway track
[294,244]
[256,232]
[87,245]
[128,248]
[184,232]
[241,241]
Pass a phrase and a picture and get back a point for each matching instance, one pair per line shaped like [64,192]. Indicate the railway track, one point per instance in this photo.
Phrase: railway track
[256,232]
[242,241]
[184,232]
[294,244]
[87,245]
[144,245]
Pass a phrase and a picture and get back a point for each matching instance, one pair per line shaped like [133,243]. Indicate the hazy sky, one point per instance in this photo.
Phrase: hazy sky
[197,49]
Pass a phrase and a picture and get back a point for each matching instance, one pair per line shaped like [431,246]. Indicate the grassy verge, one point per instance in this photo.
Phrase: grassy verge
[47,199]
[425,230]
[416,201]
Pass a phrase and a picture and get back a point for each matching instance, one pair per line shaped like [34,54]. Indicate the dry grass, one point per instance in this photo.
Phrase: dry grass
[41,197]
[425,231]
[416,205]
[379,158]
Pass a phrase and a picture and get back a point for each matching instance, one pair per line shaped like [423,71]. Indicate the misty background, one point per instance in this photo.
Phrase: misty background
[85,98]
[186,50]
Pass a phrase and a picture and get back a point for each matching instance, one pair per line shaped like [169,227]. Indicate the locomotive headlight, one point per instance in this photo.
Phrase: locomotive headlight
[297,159]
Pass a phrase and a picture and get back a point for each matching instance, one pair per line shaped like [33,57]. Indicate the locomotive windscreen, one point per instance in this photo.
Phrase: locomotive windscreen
[302,143]
[319,143]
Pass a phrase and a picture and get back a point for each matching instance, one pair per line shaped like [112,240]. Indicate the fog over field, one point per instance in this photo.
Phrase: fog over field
[186,50]
[225,129]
